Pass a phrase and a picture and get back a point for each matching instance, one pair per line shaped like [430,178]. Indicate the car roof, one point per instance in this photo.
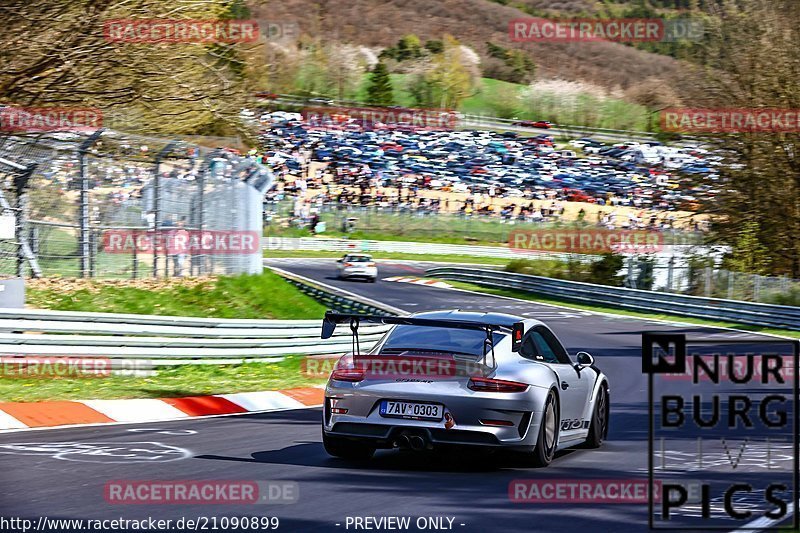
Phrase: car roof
[492,319]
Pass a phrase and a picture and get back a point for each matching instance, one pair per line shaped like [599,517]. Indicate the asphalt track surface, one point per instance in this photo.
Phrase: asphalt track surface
[61,473]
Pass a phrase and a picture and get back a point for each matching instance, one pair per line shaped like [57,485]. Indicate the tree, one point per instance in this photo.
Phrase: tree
[379,91]
[449,74]
[755,65]
[409,47]
[56,54]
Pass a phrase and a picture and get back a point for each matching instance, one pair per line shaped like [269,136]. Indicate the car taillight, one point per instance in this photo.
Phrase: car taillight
[370,264]
[496,385]
[348,264]
[352,375]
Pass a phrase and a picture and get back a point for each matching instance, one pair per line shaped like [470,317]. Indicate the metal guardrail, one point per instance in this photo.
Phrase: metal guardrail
[757,314]
[135,342]
[337,299]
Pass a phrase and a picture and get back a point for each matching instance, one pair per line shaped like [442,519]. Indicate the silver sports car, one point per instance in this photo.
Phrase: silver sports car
[458,378]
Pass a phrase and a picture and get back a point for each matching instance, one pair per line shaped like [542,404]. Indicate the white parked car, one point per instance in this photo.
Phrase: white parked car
[357,266]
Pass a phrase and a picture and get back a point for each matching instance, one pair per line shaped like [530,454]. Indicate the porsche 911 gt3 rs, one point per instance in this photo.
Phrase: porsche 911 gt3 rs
[458,378]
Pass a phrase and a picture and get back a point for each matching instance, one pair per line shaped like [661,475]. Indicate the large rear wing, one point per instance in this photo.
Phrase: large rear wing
[331,319]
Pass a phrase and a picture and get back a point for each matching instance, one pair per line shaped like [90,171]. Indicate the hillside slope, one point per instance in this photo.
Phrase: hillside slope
[380,23]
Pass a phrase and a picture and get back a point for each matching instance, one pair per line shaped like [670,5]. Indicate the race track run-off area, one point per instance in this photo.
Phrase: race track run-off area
[64,473]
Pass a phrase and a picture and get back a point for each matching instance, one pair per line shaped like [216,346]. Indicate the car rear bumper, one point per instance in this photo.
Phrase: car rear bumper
[474,414]
[390,436]
[366,273]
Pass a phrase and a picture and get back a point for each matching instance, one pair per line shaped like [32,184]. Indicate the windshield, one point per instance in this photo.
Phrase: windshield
[447,340]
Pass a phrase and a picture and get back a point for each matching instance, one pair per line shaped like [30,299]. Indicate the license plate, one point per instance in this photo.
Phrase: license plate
[412,410]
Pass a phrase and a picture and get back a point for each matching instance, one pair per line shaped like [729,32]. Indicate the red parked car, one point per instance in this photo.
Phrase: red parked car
[533,124]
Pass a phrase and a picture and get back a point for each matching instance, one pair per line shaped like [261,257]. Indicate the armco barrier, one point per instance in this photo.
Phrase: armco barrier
[757,314]
[130,339]
[337,299]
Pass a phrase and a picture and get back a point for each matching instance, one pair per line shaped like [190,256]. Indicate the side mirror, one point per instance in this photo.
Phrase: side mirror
[585,359]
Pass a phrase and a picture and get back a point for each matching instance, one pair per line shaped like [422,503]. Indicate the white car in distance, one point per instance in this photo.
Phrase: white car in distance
[361,266]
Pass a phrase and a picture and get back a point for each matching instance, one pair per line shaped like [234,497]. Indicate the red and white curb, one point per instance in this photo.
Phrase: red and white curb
[420,281]
[23,415]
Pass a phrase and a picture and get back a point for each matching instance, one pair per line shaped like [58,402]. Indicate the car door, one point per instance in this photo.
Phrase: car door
[574,386]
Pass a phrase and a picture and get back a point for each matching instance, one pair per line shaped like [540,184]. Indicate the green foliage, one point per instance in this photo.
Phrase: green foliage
[749,253]
[604,271]
[379,91]
[518,67]
[790,297]
[434,46]
[407,48]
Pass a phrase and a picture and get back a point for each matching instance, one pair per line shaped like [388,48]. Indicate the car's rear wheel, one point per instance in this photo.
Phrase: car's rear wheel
[548,433]
[346,448]
[598,430]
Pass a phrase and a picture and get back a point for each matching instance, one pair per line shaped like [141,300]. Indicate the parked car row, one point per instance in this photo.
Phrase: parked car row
[469,161]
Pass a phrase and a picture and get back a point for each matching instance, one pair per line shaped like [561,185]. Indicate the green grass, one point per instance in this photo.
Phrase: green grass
[612,310]
[168,383]
[264,296]
[498,98]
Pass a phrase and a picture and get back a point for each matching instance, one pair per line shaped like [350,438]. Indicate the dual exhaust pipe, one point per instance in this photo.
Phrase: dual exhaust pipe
[411,441]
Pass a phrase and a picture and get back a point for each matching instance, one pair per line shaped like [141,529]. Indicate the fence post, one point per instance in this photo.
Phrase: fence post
[731,283]
[670,269]
[21,179]
[631,279]
[135,259]
[93,253]
[157,204]
[85,245]
[707,280]
[757,288]
[21,227]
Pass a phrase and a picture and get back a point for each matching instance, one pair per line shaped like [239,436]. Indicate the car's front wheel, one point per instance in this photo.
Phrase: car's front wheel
[346,448]
[548,432]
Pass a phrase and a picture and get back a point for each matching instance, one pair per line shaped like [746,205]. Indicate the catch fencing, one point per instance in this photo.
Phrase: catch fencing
[109,204]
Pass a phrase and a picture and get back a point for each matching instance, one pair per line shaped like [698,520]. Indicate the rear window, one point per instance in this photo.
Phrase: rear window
[358,259]
[447,340]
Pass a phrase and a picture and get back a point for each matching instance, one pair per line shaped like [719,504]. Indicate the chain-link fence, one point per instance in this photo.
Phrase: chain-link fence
[287,215]
[115,205]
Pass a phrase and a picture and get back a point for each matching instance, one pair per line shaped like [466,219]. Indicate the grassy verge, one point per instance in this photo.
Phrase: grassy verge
[622,312]
[258,296]
[438,258]
[250,296]
[168,383]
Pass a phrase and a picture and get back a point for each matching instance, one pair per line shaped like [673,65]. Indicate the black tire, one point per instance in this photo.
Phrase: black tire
[598,430]
[548,433]
[347,449]
[373,280]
